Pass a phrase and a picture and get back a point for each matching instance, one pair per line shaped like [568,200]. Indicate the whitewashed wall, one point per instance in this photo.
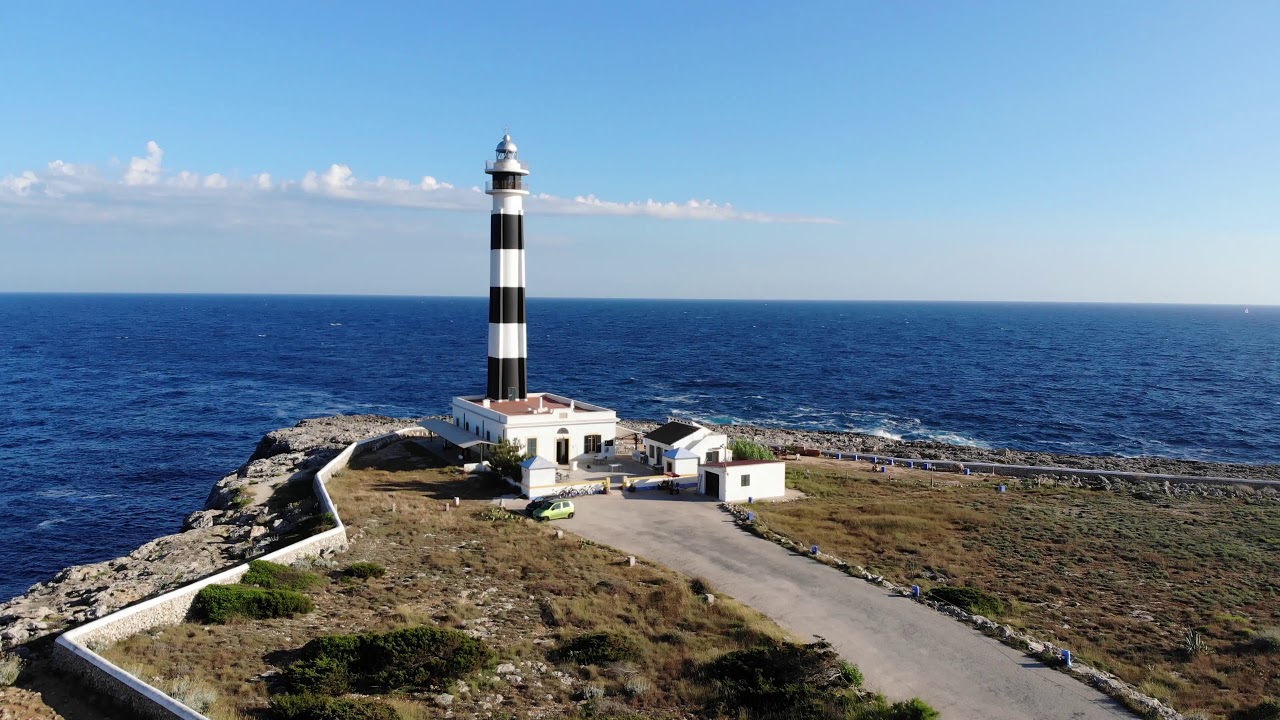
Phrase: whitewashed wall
[72,650]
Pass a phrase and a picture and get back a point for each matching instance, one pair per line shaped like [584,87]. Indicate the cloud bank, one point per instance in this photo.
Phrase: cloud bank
[145,191]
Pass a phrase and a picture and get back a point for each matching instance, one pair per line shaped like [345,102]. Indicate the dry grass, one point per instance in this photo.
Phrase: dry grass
[1114,577]
[512,583]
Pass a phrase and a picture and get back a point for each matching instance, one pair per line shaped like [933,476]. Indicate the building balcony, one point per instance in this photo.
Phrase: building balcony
[491,186]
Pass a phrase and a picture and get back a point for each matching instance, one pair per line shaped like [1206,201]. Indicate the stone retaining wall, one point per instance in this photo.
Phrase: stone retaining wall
[73,652]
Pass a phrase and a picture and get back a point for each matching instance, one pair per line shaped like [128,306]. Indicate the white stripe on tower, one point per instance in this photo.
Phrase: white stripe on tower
[507,351]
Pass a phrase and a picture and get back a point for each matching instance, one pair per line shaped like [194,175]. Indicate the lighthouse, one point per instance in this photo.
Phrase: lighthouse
[508,372]
[561,430]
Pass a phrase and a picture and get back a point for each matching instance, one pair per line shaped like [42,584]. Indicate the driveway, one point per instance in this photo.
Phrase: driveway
[904,649]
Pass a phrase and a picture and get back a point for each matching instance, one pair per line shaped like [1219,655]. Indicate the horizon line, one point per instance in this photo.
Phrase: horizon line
[123,293]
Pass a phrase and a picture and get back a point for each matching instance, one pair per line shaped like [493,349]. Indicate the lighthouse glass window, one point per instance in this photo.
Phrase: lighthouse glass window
[591,443]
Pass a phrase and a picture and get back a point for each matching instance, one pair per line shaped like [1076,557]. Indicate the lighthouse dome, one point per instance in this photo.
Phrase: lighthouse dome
[507,145]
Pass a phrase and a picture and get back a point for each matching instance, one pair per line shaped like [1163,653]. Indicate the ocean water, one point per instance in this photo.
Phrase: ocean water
[117,413]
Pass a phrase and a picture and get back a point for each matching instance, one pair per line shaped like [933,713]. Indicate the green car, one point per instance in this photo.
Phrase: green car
[557,510]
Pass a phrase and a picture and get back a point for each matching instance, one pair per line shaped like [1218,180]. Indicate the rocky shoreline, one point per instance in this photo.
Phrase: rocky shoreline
[851,442]
[240,520]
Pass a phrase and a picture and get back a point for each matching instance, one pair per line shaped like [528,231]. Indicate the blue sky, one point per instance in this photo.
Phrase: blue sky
[1079,151]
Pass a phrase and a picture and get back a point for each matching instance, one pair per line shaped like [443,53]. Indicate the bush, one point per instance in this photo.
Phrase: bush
[852,674]
[194,693]
[10,669]
[316,707]
[747,450]
[700,586]
[1267,640]
[220,603]
[1268,709]
[598,648]
[969,599]
[505,457]
[412,657]
[364,570]
[880,709]
[799,681]
[274,576]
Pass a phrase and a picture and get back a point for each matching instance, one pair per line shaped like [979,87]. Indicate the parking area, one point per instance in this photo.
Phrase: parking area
[903,648]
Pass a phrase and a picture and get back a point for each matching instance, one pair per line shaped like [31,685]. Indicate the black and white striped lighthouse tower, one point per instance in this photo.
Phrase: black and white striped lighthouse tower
[507,341]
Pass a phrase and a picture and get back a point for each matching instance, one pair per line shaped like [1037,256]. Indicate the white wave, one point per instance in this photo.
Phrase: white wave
[882,433]
[50,522]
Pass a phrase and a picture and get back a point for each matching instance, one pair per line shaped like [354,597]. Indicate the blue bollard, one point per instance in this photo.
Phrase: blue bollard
[911,463]
[966,471]
[926,466]
[875,459]
[1002,488]
[813,549]
[751,517]
[915,591]
[1066,658]
[839,456]
[750,500]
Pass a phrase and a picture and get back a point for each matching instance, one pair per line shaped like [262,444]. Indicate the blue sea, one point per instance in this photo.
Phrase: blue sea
[118,412]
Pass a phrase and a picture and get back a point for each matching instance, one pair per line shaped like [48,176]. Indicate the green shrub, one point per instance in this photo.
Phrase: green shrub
[796,681]
[411,657]
[880,709]
[220,603]
[274,576]
[598,648]
[852,674]
[1268,709]
[317,707]
[747,450]
[969,599]
[700,586]
[364,570]
[505,457]
[1267,640]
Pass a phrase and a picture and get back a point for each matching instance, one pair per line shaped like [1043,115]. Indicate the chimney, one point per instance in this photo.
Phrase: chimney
[486,402]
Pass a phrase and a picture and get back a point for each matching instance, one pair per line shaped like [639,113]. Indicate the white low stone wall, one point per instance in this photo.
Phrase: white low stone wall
[72,650]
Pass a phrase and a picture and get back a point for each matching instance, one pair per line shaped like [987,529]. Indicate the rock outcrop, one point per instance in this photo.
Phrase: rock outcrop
[247,514]
[851,442]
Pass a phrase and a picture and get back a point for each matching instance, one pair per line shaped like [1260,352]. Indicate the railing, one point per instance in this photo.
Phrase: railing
[515,187]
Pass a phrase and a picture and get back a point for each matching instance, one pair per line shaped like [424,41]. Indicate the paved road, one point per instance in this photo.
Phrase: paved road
[904,649]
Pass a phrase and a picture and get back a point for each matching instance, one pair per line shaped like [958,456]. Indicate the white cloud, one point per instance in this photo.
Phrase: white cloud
[145,171]
[146,182]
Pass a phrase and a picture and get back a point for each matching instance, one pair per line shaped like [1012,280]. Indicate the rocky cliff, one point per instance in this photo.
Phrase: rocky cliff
[248,513]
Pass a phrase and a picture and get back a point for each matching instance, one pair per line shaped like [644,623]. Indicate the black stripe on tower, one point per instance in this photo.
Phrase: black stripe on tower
[506,232]
[506,305]
[505,374]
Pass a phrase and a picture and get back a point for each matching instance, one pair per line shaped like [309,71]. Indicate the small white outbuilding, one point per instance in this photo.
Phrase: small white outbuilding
[536,473]
[741,480]
[681,461]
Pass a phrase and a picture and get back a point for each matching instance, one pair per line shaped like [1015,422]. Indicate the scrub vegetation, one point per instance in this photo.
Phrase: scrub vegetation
[477,611]
[1178,595]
